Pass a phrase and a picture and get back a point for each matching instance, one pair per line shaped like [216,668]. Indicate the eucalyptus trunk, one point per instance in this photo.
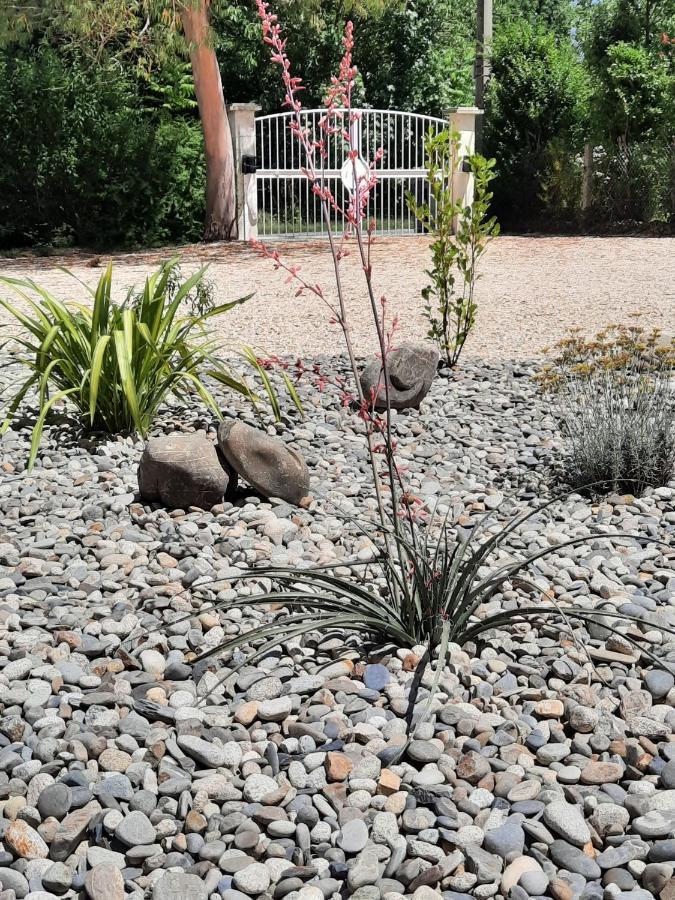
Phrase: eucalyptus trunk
[221,210]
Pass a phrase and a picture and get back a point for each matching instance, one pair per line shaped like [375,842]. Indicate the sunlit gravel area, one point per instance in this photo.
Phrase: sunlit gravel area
[545,767]
[531,290]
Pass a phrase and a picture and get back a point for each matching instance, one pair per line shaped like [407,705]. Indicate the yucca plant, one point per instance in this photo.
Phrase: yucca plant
[427,585]
[116,363]
[432,591]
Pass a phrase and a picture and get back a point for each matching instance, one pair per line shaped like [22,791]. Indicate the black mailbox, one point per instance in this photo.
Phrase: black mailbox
[249,165]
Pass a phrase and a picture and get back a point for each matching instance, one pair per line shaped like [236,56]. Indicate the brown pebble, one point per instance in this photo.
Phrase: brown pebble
[388,783]
[338,766]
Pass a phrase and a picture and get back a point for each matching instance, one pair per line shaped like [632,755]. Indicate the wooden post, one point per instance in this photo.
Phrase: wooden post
[482,64]
[587,183]
[242,126]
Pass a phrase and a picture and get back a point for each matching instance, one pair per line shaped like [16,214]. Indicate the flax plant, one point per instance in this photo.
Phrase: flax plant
[115,364]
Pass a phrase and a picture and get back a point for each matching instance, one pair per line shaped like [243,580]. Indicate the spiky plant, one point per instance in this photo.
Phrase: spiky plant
[116,363]
[431,592]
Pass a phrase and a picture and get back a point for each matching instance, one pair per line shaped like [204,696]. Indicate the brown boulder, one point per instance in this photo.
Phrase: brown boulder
[182,470]
[264,461]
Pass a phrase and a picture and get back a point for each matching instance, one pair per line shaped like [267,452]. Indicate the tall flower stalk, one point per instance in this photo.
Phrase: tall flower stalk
[338,120]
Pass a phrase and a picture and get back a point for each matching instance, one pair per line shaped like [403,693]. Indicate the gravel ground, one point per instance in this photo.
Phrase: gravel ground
[531,291]
[546,769]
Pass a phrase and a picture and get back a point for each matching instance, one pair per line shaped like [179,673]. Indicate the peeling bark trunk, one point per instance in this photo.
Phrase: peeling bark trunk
[221,212]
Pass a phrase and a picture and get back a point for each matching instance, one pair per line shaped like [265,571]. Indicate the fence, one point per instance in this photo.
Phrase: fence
[275,199]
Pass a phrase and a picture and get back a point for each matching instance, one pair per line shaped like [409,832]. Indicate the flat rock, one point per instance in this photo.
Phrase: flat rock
[179,886]
[204,752]
[104,882]
[135,830]
[24,841]
[567,821]
[264,461]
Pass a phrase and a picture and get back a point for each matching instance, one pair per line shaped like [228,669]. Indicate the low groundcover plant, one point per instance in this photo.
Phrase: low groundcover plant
[615,398]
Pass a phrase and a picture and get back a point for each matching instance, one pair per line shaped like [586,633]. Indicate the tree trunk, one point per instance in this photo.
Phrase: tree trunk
[221,212]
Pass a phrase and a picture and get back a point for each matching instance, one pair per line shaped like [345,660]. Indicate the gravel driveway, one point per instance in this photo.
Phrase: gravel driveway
[532,289]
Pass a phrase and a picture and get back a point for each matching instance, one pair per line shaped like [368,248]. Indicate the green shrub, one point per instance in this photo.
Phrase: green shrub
[116,363]
[635,94]
[615,398]
[85,162]
[460,236]
[538,94]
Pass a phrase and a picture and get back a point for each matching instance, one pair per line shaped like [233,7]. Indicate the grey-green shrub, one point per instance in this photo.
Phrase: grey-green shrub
[615,398]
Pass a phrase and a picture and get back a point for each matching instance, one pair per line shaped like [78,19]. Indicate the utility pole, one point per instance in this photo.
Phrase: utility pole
[482,66]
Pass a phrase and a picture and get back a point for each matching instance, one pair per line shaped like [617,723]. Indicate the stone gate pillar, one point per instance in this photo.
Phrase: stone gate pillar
[242,126]
[462,119]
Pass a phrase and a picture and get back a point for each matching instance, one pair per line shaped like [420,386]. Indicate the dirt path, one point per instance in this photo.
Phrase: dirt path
[531,291]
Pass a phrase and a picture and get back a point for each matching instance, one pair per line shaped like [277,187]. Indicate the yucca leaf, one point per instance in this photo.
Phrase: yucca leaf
[506,617]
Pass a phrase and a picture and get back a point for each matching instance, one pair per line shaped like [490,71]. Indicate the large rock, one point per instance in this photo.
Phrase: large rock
[265,462]
[182,470]
[410,369]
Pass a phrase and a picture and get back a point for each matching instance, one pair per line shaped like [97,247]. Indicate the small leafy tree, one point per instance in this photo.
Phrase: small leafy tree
[460,237]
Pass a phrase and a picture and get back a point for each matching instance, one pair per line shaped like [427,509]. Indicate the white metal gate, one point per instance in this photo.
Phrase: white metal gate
[286,206]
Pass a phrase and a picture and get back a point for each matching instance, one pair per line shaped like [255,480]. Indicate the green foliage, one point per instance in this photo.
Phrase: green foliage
[636,94]
[417,55]
[538,95]
[608,22]
[555,16]
[413,56]
[87,163]
[117,159]
[460,236]
[117,363]
[615,398]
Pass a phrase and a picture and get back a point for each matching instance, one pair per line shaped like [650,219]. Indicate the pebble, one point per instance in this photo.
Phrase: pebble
[125,772]
[567,821]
